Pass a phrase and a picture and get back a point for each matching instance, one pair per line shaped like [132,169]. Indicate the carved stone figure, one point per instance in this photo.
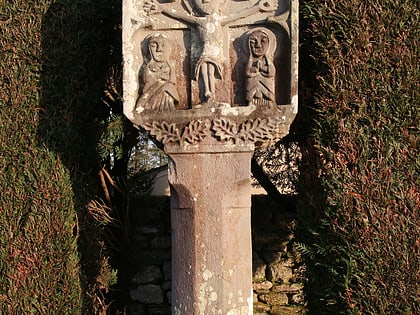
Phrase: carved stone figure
[158,78]
[224,55]
[260,71]
[210,24]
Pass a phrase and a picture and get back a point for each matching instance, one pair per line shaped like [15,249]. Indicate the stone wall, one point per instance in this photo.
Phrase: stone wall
[277,270]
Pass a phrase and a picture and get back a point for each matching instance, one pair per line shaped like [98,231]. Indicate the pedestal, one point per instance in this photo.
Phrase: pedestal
[211,229]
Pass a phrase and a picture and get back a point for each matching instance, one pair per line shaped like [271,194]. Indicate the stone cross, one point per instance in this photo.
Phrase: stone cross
[211,80]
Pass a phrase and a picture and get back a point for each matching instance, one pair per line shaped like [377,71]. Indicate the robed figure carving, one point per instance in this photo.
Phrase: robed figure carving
[158,78]
[260,70]
[207,17]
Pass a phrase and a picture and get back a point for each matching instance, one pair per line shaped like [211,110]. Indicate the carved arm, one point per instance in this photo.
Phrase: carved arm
[153,7]
[259,6]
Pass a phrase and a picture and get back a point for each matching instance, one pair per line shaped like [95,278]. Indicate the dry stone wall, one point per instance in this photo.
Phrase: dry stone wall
[278,273]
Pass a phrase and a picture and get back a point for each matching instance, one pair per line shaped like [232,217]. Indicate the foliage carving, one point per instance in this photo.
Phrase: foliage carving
[195,131]
[163,131]
[258,129]
[225,129]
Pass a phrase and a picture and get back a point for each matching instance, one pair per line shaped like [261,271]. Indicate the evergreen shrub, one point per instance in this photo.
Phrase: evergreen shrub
[361,159]
[54,57]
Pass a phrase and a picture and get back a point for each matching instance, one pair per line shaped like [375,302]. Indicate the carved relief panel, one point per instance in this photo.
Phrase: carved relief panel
[184,60]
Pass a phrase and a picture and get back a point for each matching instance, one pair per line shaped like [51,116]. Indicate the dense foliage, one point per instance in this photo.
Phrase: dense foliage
[358,129]
[54,60]
[360,171]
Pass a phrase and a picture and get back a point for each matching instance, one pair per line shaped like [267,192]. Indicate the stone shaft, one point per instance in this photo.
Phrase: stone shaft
[211,231]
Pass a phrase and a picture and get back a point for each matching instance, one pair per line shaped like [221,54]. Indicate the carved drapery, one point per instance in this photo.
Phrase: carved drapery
[191,60]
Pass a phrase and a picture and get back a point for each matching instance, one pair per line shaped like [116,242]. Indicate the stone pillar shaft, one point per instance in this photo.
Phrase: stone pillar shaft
[211,231]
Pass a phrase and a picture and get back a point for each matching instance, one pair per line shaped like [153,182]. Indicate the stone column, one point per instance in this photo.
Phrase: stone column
[209,80]
[211,230]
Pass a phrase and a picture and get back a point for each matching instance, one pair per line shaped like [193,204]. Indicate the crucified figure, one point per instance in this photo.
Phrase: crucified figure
[210,24]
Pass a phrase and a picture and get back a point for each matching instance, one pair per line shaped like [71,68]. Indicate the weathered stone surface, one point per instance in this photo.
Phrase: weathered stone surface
[261,308]
[288,288]
[268,236]
[148,274]
[148,294]
[231,58]
[210,221]
[154,230]
[209,82]
[287,310]
[274,298]
[255,298]
[262,286]
[298,299]
[279,272]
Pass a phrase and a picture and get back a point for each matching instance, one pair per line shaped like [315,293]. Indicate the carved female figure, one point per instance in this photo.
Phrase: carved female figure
[158,78]
[260,69]
[210,25]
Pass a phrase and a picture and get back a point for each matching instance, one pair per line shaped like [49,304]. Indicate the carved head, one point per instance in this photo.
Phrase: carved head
[206,7]
[259,43]
[158,47]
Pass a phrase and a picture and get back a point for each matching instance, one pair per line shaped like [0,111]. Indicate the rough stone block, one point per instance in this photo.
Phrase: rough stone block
[262,286]
[151,230]
[288,288]
[161,242]
[298,299]
[147,275]
[274,298]
[261,308]
[278,272]
[147,294]
[287,310]
[159,310]
[136,309]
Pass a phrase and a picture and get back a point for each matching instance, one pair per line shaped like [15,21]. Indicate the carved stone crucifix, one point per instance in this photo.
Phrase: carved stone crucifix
[211,80]
[210,25]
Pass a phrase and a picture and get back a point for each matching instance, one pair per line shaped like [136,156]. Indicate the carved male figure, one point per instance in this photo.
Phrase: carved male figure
[260,69]
[210,25]
[158,78]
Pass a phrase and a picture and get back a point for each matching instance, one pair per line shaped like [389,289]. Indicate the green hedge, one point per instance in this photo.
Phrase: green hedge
[54,57]
[361,165]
